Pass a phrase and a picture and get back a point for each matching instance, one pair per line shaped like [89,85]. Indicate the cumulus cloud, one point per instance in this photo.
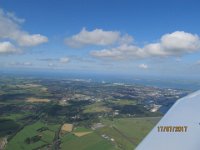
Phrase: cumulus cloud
[180,41]
[64,60]
[121,52]
[143,66]
[173,44]
[7,47]
[24,39]
[10,30]
[97,37]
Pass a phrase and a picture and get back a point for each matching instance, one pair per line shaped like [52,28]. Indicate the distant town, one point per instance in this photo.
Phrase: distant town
[41,113]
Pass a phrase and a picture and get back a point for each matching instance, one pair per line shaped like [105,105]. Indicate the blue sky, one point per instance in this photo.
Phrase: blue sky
[125,36]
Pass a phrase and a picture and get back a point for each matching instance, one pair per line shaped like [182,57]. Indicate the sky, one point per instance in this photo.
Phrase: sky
[132,37]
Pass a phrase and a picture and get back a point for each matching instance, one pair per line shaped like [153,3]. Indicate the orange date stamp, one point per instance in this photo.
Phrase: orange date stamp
[172,128]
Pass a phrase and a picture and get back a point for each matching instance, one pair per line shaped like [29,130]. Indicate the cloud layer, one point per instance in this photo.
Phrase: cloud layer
[97,37]
[13,36]
[62,60]
[173,44]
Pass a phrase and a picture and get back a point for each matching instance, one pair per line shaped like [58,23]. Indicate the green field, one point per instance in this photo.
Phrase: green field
[120,141]
[18,141]
[128,132]
[87,142]
[96,107]
[124,102]
[15,116]
[81,129]
[92,141]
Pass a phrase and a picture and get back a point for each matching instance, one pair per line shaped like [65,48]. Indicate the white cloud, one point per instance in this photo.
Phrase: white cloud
[174,44]
[31,40]
[10,29]
[14,17]
[121,52]
[7,47]
[143,66]
[64,60]
[27,63]
[50,64]
[21,63]
[97,37]
[180,41]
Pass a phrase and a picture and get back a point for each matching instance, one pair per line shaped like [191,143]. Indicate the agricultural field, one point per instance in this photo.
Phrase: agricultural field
[91,141]
[81,131]
[67,127]
[116,134]
[96,107]
[80,134]
[37,100]
[34,136]
[124,102]
[15,117]
[127,132]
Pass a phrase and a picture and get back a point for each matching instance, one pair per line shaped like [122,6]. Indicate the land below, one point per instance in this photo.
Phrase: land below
[60,114]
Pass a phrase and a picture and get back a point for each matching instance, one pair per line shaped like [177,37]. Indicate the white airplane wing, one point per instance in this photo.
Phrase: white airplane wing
[179,129]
